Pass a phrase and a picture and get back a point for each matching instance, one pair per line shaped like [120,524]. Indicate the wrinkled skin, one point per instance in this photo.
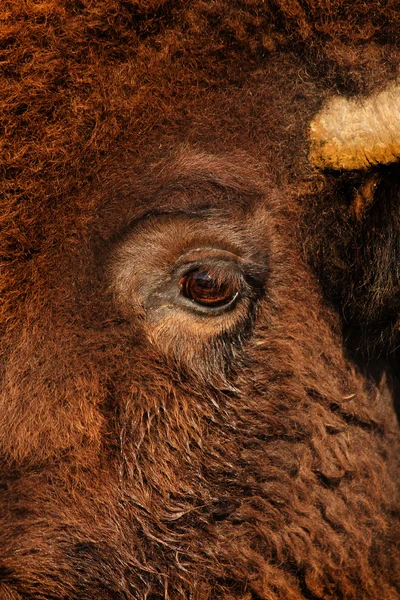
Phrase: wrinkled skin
[154,447]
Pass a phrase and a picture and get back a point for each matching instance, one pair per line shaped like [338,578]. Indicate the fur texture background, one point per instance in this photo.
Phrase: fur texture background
[128,470]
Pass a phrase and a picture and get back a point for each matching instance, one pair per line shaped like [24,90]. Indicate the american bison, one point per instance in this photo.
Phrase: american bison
[200,284]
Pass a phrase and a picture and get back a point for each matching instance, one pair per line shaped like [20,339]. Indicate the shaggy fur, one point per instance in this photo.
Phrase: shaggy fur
[149,458]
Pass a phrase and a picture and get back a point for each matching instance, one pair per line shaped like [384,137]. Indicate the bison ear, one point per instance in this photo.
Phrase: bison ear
[356,246]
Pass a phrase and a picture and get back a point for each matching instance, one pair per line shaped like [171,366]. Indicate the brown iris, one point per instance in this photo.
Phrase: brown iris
[207,289]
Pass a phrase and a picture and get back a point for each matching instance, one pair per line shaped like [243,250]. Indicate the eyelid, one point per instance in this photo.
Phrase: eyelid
[198,255]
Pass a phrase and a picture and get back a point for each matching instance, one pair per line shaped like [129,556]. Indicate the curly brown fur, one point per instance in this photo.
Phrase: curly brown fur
[251,462]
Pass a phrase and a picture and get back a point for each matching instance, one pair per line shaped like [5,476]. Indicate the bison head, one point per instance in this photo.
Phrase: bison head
[199,313]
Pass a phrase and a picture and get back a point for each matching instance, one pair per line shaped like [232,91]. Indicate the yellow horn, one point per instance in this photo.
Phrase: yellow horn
[356,134]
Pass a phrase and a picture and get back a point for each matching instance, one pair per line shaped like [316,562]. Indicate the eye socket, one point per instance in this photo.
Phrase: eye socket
[208,289]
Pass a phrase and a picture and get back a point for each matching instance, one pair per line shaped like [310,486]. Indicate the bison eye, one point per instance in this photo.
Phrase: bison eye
[208,289]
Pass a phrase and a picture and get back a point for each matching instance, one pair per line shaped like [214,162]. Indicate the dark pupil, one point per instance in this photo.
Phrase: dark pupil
[203,288]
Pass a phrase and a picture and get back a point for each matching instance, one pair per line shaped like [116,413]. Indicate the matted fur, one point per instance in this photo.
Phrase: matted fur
[264,464]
